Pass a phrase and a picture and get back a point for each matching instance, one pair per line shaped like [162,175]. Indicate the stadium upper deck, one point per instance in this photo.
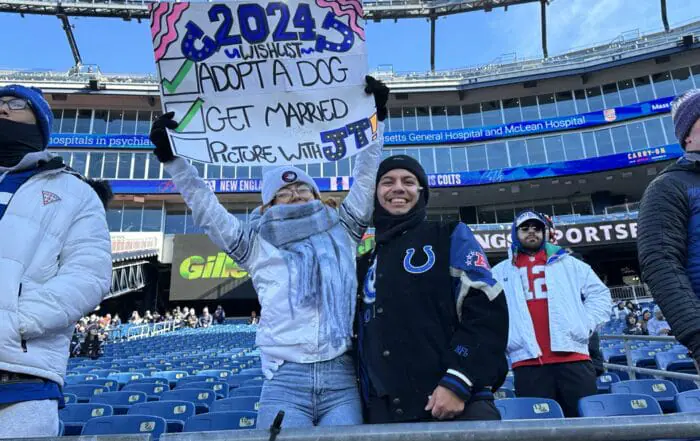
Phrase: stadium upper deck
[558,134]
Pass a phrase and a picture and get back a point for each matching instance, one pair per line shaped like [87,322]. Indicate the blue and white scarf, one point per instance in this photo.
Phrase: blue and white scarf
[320,262]
[10,183]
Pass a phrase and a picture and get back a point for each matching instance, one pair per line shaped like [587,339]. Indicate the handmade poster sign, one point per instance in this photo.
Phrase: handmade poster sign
[267,83]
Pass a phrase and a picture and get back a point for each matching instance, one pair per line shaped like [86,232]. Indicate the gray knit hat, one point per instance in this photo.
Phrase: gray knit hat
[685,110]
[280,177]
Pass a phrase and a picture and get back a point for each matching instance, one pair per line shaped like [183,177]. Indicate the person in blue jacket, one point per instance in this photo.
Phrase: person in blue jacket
[432,322]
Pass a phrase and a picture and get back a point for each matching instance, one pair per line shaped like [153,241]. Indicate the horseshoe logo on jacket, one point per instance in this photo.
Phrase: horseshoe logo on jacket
[409,267]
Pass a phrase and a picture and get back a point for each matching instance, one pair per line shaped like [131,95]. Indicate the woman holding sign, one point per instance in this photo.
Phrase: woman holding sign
[300,254]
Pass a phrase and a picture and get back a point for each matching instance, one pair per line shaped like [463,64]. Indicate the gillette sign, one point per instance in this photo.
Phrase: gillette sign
[201,271]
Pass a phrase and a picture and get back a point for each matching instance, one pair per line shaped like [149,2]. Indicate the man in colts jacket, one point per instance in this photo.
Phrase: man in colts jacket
[432,322]
[55,263]
[555,303]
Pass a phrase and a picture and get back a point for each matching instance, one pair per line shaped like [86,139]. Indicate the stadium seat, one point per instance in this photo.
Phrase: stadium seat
[171,376]
[126,424]
[220,374]
[108,383]
[528,408]
[152,390]
[74,416]
[220,388]
[249,404]
[252,383]
[618,405]
[604,381]
[174,412]
[79,379]
[688,401]
[84,392]
[663,390]
[103,373]
[221,421]
[202,398]
[243,378]
[124,377]
[120,401]
[246,392]
[194,379]
[503,393]
[70,398]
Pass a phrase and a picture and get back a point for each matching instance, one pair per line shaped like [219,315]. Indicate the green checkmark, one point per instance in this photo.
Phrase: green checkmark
[172,85]
[194,108]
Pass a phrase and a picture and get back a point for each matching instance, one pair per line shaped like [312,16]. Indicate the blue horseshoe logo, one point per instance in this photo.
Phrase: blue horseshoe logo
[428,250]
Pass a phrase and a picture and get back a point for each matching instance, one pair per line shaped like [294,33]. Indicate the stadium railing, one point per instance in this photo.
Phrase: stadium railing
[636,293]
[136,332]
[621,428]
[632,370]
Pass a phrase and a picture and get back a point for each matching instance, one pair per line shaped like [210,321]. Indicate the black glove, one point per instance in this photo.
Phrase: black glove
[159,137]
[381,95]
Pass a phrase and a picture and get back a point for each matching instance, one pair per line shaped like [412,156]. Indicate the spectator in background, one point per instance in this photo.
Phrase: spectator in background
[620,312]
[206,319]
[432,329]
[644,319]
[555,303]
[191,319]
[253,320]
[116,321]
[148,317]
[219,315]
[634,327]
[135,318]
[669,230]
[658,325]
[300,254]
[55,263]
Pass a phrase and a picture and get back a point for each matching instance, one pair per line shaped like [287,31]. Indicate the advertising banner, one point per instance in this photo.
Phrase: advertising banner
[201,271]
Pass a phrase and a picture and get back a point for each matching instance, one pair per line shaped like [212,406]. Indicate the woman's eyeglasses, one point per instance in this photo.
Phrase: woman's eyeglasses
[285,195]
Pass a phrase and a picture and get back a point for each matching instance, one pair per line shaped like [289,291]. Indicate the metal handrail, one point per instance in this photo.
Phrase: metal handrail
[633,370]
[617,428]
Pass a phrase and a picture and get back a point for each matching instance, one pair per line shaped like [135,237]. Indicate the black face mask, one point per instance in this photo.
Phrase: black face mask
[16,140]
[388,226]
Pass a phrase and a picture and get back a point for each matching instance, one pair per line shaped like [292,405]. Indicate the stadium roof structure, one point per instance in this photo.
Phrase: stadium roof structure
[375,10]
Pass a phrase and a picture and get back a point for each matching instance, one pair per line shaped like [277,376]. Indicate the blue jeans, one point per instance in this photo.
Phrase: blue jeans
[313,394]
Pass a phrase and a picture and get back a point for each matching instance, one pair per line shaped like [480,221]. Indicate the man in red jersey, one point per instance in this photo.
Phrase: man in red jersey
[555,302]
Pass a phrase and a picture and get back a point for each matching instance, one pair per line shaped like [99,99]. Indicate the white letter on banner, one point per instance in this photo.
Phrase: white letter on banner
[264,83]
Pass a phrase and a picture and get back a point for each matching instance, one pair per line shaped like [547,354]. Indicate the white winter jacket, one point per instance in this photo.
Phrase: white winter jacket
[578,303]
[55,266]
[281,336]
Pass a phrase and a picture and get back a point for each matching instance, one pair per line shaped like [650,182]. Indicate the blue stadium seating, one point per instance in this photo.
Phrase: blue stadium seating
[221,421]
[528,408]
[172,376]
[252,383]
[220,374]
[151,380]
[74,416]
[688,401]
[108,383]
[84,392]
[126,424]
[120,401]
[194,379]
[604,381]
[618,405]
[79,379]
[152,390]
[663,391]
[246,392]
[69,398]
[174,412]
[504,393]
[250,404]
[103,373]
[124,377]
[220,388]
[202,398]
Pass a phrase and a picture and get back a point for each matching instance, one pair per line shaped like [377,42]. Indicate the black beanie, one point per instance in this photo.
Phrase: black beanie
[405,162]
